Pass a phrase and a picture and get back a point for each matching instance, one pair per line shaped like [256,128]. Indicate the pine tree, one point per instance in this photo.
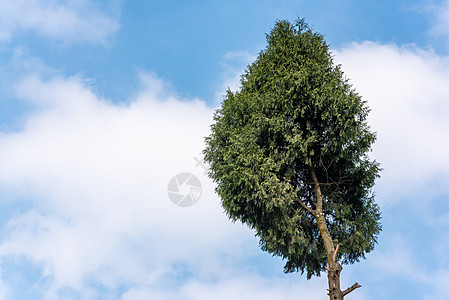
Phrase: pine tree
[289,155]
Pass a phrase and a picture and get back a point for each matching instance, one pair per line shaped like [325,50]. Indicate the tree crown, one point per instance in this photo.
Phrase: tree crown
[296,115]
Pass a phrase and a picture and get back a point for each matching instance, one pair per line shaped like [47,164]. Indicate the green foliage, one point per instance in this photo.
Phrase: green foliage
[296,112]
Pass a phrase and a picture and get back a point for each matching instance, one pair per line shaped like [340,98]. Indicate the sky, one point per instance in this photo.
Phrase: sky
[104,110]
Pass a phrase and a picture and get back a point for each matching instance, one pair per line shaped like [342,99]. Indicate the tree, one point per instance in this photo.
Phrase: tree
[289,155]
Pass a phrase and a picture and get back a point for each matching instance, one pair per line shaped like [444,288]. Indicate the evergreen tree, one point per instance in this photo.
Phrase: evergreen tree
[288,153]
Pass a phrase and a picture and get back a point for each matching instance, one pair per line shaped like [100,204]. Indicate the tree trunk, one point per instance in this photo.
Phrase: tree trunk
[333,267]
[333,276]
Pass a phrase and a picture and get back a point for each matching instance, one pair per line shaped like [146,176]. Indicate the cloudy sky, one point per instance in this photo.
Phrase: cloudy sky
[103,103]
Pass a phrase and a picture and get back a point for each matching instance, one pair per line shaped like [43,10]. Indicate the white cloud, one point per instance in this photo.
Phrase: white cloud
[398,260]
[440,19]
[439,281]
[242,286]
[4,290]
[234,65]
[97,174]
[406,88]
[67,21]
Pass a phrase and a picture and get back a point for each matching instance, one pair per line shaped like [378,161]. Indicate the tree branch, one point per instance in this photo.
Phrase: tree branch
[319,198]
[327,173]
[335,253]
[313,212]
[350,289]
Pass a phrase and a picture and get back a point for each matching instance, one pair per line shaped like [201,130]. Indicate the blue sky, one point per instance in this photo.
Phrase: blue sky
[104,102]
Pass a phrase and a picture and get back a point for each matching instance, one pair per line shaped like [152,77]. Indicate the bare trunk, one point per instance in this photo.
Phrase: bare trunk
[334,268]
[333,276]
